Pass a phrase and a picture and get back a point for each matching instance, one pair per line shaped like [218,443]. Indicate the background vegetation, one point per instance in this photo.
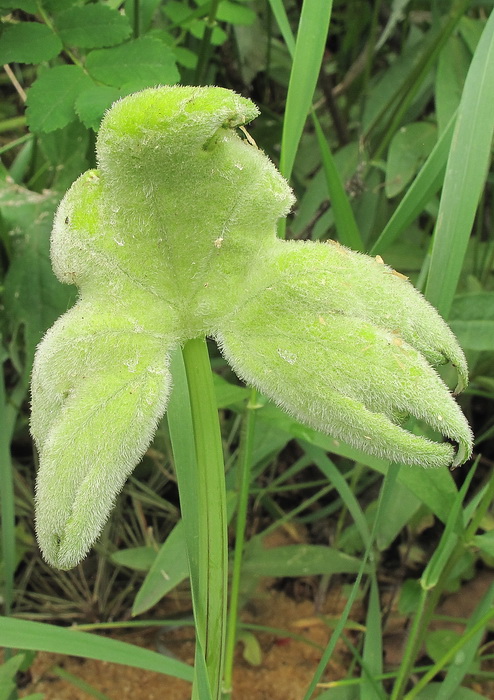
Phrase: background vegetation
[393,159]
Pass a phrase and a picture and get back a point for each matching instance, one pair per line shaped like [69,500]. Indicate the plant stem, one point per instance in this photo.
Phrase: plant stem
[13,144]
[47,20]
[383,503]
[413,644]
[423,616]
[11,125]
[244,465]
[450,654]
[136,28]
[205,48]
[433,585]
[210,612]
[481,511]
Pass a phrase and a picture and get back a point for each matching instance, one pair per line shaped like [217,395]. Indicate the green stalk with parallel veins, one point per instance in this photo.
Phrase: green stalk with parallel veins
[210,495]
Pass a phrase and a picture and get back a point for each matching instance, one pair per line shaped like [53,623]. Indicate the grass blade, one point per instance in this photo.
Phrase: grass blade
[463,664]
[307,58]
[24,634]
[334,476]
[79,683]
[421,191]
[179,417]
[280,15]
[386,490]
[465,175]
[403,98]
[432,585]
[198,455]
[473,633]
[169,568]
[180,427]
[346,226]
[372,656]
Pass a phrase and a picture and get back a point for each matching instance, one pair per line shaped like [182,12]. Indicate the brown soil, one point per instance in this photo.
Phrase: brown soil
[286,667]
[285,671]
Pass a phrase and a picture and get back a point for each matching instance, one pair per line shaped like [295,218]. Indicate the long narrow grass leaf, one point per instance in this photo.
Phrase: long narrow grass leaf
[77,682]
[209,494]
[346,226]
[454,529]
[387,486]
[463,663]
[455,649]
[179,420]
[307,58]
[420,192]
[280,15]
[335,477]
[465,174]
[180,425]
[25,634]
[366,672]
[168,569]
[391,114]
[371,689]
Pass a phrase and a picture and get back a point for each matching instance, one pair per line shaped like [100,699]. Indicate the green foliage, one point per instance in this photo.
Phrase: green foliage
[138,558]
[315,327]
[168,568]
[408,149]
[91,103]
[33,298]
[51,100]
[297,560]
[104,57]
[140,62]
[472,319]
[8,671]
[395,94]
[92,26]
[28,43]
[35,635]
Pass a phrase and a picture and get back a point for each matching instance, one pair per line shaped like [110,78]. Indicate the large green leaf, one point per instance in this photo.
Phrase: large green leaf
[297,560]
[28,42]
[92,26]
[51,98]
[145,61]
[92,104]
